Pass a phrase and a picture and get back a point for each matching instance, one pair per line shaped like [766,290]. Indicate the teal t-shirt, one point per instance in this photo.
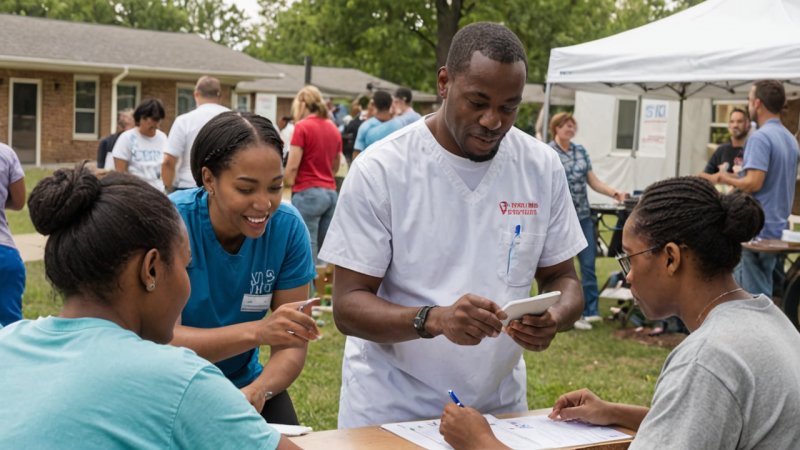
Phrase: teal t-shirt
[229,289]
[361,137]
[90,384]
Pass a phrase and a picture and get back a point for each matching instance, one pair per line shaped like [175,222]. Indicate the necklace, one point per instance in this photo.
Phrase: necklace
[717,298]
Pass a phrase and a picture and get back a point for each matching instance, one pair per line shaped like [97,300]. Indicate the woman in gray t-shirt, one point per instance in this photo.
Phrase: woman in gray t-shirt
[734,383]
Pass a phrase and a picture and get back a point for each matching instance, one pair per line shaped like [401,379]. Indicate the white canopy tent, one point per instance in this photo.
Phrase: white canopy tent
[713,50]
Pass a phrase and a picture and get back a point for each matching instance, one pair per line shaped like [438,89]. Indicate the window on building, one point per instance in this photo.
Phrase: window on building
[185,99]
[720,114]
[243,102]
[86,99]
[626,124]
[127,95]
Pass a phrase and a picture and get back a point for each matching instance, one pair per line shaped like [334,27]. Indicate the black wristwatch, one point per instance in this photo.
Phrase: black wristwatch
[419,321]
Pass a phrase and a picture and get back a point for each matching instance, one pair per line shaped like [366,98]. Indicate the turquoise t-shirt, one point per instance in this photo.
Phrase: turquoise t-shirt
[229,289]
[90,384]
[361,136]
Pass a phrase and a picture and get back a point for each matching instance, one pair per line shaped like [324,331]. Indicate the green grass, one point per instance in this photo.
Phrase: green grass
[19,222]
[618,370]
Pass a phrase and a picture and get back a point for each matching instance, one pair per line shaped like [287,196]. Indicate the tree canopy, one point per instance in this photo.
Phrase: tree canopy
[407,41]
[400,41]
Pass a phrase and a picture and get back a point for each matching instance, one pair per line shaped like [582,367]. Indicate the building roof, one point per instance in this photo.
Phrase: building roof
[332,81]
[47,44]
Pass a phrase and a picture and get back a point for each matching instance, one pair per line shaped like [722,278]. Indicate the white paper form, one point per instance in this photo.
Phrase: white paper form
[424,433]
[541,432]
[524,433]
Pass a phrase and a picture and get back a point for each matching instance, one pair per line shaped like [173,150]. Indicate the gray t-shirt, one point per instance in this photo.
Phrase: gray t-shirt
[732,384]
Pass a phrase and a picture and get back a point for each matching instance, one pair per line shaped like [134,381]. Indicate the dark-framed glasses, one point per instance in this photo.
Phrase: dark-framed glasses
[624,259]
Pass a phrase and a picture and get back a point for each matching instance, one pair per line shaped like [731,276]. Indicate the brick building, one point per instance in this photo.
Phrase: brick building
[62,83]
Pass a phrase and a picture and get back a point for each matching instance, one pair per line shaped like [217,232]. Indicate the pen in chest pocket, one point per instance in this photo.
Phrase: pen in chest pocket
[517,231]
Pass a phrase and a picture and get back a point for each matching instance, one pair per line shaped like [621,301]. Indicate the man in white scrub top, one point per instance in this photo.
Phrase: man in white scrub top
[439,226]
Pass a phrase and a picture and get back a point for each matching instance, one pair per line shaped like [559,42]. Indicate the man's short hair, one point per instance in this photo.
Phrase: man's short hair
[403,94]
[208,87]
[740,110]
[493,40]
[382,100]
[771,94]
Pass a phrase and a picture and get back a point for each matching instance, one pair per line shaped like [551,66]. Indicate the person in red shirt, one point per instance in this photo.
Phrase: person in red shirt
[313,160]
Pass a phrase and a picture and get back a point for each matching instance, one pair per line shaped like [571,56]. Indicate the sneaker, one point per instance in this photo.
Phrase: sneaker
[594,318]
[583,325]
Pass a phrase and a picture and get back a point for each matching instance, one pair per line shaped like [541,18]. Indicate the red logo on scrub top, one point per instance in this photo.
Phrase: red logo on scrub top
[519,208]
[503,207]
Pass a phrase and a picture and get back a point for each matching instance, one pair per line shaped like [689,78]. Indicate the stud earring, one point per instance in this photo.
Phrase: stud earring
[151,287]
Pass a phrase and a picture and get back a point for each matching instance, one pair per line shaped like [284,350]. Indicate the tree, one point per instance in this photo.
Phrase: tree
[371,35]
[407,41]
[217,21]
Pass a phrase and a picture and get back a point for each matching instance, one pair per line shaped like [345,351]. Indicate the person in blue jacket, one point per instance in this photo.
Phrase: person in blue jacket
[250,255]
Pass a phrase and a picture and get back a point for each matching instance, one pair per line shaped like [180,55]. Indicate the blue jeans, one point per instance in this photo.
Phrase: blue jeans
[754,272]
[12,284]
[588,277]
[316,205]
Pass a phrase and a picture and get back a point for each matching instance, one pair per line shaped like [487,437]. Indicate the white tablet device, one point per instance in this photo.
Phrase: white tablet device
[532,305]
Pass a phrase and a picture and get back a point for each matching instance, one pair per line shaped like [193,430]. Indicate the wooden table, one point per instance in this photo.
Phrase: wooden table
[772,246]
[789,298]
[376,438]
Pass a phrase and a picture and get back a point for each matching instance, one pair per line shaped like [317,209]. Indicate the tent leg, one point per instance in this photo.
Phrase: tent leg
[546,108]
[680,136]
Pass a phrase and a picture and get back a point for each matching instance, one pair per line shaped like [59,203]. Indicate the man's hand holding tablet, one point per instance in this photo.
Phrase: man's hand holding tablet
[530,323]
[533,305]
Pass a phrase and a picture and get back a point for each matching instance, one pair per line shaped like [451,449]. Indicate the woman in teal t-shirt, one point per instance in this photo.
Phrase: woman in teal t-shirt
[250,255]
[97,375]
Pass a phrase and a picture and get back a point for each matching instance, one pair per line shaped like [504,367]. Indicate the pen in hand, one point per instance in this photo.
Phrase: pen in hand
[454,398]
[305,304]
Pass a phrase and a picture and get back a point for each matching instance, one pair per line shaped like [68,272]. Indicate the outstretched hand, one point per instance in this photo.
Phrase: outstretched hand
[290,325]
[582,405]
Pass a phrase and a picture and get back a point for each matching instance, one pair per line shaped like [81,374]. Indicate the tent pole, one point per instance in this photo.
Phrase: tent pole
[680,135]
[546,108]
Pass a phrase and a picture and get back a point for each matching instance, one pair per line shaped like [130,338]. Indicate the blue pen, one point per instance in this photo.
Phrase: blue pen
[517,231]
[454,398]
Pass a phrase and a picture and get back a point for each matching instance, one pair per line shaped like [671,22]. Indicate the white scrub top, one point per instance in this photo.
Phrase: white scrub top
[405,215]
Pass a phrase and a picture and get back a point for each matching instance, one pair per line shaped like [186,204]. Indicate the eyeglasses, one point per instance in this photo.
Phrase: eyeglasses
[624,259]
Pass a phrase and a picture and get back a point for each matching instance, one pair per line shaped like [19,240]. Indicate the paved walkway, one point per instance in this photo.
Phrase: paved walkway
[31,246]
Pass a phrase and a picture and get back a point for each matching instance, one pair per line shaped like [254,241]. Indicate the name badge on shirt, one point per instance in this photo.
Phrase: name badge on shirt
[256,303]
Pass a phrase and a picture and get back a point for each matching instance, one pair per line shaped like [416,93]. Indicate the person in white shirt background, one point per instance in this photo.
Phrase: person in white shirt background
[176,171]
